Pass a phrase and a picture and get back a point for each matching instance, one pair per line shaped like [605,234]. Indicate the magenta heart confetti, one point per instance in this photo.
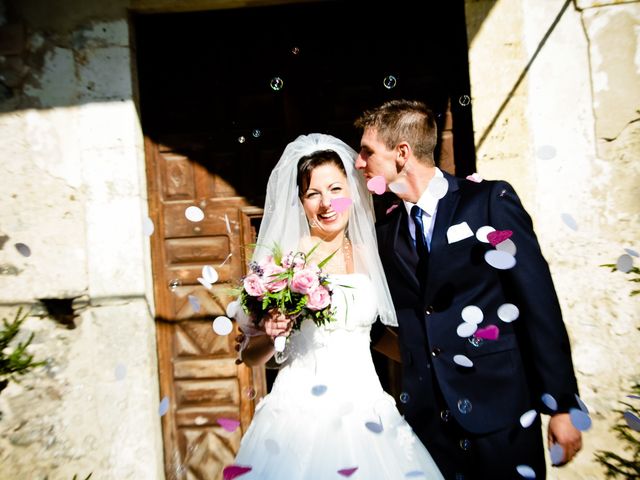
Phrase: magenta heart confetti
[377,185]
[234,471]
[498,236]
[229,424]
[490,332]
[341,204]
[347,472]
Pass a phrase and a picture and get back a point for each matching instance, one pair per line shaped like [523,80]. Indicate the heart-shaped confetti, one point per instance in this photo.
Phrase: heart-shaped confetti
[347,472]
[234,471]
[341,204]
[490,332]
[498,236]
[377,185]
[229,424]
[474,177]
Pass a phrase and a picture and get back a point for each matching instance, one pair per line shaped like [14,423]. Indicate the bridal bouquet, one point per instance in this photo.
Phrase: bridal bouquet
[298,288]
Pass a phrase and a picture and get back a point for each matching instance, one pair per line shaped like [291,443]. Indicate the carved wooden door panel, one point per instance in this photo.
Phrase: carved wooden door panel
[200,382]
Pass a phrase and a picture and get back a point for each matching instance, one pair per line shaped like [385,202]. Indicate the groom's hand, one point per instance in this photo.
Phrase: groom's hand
[562,432]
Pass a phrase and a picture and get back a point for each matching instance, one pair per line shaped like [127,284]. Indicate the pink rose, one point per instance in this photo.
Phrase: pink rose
[304,281]
[318,298]
[253,285]
[270,277]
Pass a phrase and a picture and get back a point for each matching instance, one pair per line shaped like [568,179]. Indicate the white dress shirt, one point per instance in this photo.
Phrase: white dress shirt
[429,206]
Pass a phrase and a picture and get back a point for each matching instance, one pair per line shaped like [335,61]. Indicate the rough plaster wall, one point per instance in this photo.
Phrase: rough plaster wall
[549,142]
[74,191]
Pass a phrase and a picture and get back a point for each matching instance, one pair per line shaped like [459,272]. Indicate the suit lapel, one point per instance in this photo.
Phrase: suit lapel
[397,247]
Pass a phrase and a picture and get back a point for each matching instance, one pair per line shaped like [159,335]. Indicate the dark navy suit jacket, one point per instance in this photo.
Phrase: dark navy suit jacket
[532,354]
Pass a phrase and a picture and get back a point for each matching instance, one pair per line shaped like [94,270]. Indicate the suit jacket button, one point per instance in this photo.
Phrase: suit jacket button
[428,310]
[436,351]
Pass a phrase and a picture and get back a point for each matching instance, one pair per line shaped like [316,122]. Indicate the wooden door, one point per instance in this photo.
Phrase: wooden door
[200,382]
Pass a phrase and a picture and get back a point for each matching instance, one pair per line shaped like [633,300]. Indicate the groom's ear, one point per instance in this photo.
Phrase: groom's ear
[403,152]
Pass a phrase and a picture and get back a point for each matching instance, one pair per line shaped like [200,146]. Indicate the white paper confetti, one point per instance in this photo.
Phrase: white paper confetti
[527,418]
[194,302]
[194,214]
[549,401]
[507,246]
[271,446]
[526,471]
[375,427]
[164,406]
[624,263]
[631,252]
[318,390]
[222,326]
[209,274]
[233,308]
[204,283]
[472,314]
[508,312]
[632,420]
[463,361]
[121,371]
[556,453]
[580,420]
[147,226]
[23,249]
[569,221]
[500,260]
[582,405]
[438,187]
[466,329]
[546,152]
[482,232]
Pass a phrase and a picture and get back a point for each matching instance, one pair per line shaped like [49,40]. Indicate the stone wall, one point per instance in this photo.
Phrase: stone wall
[74,191]
[567,138]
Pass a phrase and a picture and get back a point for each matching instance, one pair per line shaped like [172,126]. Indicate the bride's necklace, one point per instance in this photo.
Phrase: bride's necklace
[342,260]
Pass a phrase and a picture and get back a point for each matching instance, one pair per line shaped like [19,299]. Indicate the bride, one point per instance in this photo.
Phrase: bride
[327,415]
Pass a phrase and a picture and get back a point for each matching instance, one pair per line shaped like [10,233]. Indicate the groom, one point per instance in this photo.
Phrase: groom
[481,334]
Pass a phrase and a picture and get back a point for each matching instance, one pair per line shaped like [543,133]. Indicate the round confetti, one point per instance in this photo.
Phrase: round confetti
[222,326]
[233,309]
[526,471]
[549,401]
[631,252]
[472,314]
[174,283]
[508,312]
[164,406]
[438,187]
[624,263]
[147,227]
[194,214]
[256,133]
[580,420]
[375,427]
[318,390]
[250,393]
[398,187]
[464,100]
[389,82]
[546,152]
[23,249]
[465,329]
[272,446]
[276,84]
[527,418]
[463,361]
[556,453]
[121,371]
[500,260]
[404,397]
[209,274]
[569,221]
[507,246]
[194,302]
[482,232]
[632,420]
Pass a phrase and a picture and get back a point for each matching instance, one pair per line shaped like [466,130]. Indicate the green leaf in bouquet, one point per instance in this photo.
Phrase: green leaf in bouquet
[326,260]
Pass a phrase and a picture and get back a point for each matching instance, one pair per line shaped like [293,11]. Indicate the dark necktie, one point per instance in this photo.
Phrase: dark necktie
[421,241]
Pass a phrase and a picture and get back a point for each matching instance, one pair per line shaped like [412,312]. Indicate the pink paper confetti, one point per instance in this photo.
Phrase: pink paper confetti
[498,236]
[347,472]
[229,424]
[234,471]
[392,208]
[490,332]
[474,177]
[341,204]
[377,185]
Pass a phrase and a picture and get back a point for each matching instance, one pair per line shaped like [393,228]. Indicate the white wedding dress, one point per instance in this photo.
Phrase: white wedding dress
[327,415]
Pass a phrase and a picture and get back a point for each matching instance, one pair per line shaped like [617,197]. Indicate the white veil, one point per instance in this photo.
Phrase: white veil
[284,222]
